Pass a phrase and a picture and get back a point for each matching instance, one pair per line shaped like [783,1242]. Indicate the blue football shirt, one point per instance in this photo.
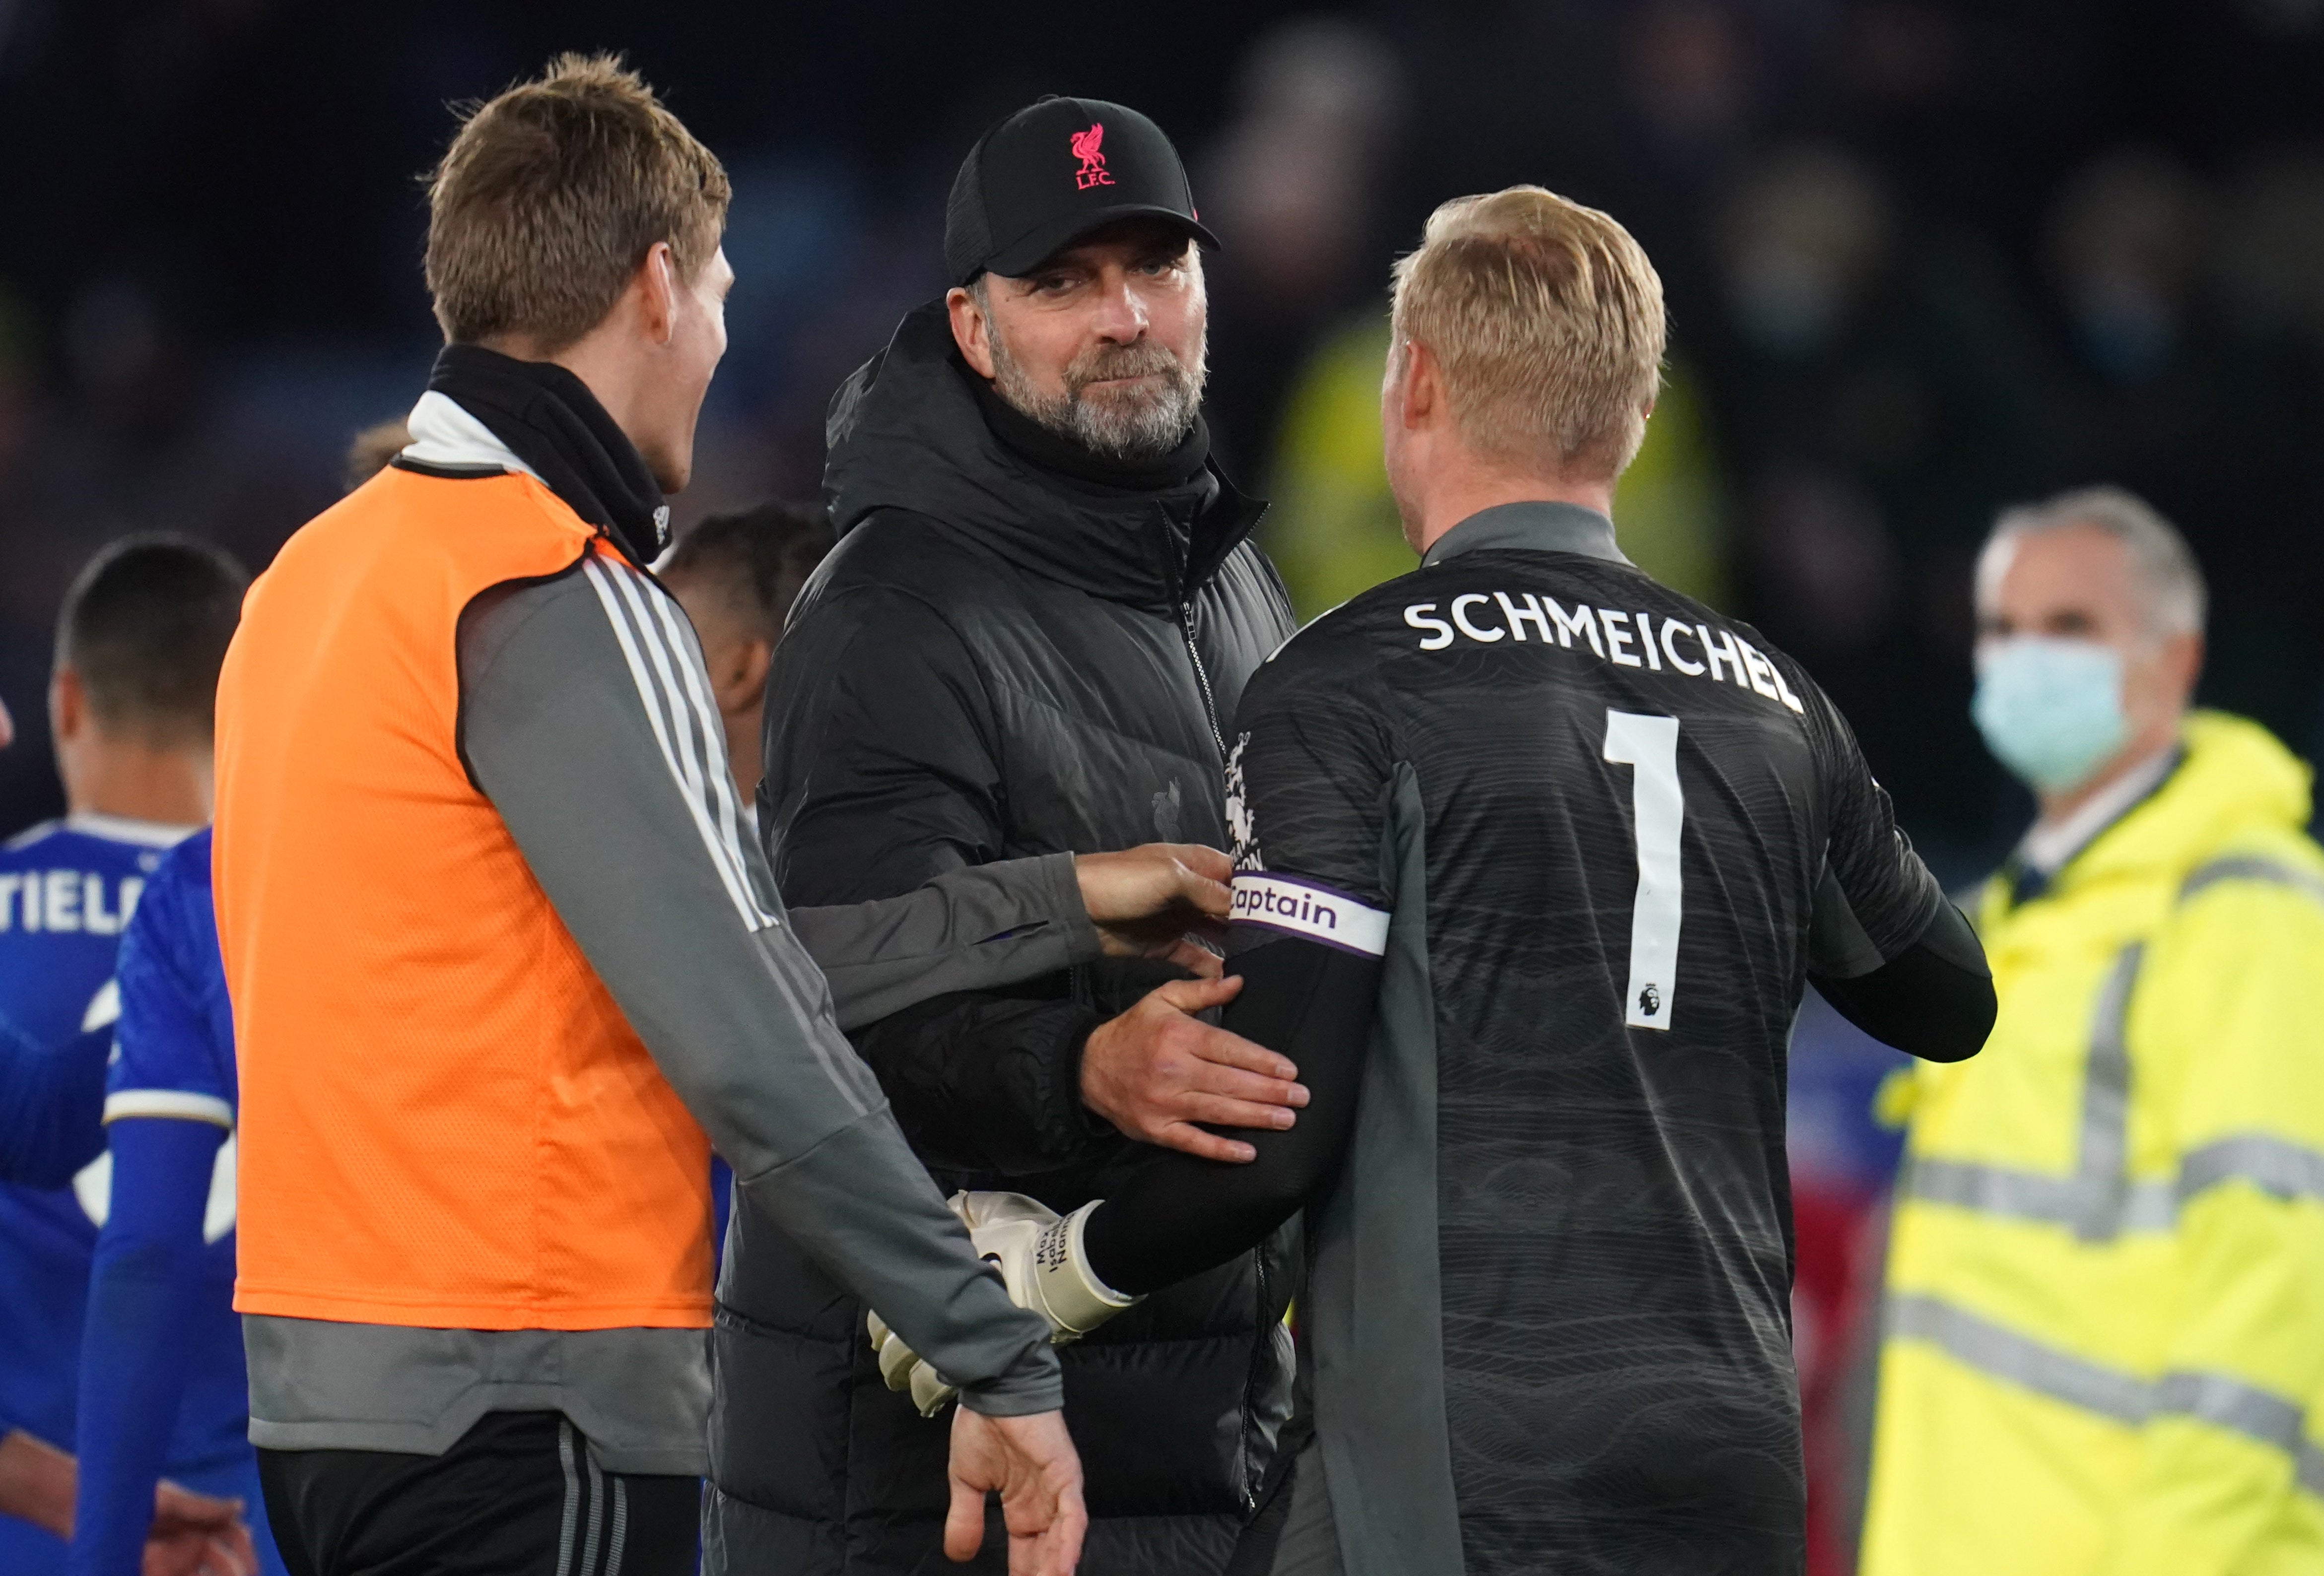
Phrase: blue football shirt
[66,889]
[66,892]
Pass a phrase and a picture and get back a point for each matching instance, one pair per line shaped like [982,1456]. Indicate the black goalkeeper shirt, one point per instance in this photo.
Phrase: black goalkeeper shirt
[1597,835]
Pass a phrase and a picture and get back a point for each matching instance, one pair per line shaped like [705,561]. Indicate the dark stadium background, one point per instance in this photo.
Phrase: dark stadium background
[2078,241]
[1923,260]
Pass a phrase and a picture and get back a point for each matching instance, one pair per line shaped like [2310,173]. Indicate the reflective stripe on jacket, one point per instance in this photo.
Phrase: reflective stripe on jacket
[2104,1350]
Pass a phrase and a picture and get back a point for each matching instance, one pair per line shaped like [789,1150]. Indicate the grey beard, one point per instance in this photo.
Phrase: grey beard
[1132,427]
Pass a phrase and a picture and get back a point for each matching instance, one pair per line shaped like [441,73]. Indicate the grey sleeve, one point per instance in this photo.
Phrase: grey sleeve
[585,718]
[972,929]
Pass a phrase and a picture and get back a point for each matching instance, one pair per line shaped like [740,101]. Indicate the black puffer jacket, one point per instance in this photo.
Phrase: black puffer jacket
[999,658]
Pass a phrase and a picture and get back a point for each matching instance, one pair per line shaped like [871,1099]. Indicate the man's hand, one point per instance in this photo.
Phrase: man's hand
[1146,902]
[1157,1070]
[198,1534]
[1031,1464]
[37,1481]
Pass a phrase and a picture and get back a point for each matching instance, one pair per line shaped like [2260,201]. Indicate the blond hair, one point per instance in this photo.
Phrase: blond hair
[552,194]
[1547,319]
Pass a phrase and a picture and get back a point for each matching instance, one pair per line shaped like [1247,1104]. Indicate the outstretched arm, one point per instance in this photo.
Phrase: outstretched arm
[135,1353]
[883,776]
[619,817]
[991,926]
[1179,1215]
[50,1097]
[1884,946]
[1309,782]
[1934,998]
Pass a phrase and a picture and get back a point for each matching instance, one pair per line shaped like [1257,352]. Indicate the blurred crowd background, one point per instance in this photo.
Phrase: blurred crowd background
[1922,259]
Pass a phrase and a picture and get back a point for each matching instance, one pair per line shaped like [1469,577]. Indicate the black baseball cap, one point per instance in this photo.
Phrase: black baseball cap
[1051,173]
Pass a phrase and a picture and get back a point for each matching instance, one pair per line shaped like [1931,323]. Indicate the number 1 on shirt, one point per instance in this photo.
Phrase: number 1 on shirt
[1649,747]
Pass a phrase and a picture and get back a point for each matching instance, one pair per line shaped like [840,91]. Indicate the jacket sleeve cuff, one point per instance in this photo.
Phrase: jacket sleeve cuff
[1067,1116]
[1064,886]
[1035,1385]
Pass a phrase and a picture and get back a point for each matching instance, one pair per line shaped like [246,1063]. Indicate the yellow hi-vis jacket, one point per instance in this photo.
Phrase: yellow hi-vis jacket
[2105,1341]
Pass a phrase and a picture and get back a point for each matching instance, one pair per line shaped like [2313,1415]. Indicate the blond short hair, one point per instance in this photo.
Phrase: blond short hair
[552,194]
[1547,319]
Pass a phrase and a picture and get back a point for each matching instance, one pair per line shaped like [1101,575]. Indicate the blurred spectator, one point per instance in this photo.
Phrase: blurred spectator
[2107,1268]
[2124,249]
[2121,245]
[1880,384]
[2270,259]
[133,437]
[139,642]
[1689,69]
[1333,527]
[2254,496]
[1805,236]
[370,450]
[16,391]
[1292,188]
[1692,87]
[737,575]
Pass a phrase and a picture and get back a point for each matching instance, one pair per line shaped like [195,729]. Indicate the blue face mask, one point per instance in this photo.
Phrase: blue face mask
[2050,710]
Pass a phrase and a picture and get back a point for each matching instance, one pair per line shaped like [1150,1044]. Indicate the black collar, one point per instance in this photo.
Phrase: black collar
[1533,527]
[552,422]
[907,431]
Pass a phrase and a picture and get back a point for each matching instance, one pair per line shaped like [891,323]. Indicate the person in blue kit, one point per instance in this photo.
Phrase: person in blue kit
[161,1372]
[140,638]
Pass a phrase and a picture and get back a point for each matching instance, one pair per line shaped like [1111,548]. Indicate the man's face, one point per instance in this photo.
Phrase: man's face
[1104,342]
[2079,583]
[698,339]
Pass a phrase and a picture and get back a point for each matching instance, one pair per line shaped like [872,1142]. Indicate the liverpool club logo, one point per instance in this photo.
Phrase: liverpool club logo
[1085,148]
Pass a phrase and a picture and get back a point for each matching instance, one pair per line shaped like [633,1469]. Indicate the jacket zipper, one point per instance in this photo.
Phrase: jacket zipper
[1264,1345]
[1261,1349]
[1202,678]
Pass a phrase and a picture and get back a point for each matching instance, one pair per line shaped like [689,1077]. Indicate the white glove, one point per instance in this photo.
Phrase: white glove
[905,1371]
[1039,1255]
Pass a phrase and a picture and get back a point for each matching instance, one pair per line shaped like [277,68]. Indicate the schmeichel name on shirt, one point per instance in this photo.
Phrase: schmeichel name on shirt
[1625,639]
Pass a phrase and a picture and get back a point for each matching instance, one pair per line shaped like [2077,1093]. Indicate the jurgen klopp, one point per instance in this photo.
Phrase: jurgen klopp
[1043,601]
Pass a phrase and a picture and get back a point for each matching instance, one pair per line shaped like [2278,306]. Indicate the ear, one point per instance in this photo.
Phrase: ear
[657,286]
[969,330]
[743,685]
[2182,659]
[68,706]
[1424,387]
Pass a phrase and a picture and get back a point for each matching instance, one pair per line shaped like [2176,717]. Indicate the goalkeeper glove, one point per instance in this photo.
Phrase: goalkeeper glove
[1039,1255]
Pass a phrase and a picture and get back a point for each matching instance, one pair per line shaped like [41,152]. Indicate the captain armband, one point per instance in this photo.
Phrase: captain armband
[1294,906]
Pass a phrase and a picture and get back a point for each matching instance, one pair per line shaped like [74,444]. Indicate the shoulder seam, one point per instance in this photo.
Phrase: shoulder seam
[459,679]
[39,831]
